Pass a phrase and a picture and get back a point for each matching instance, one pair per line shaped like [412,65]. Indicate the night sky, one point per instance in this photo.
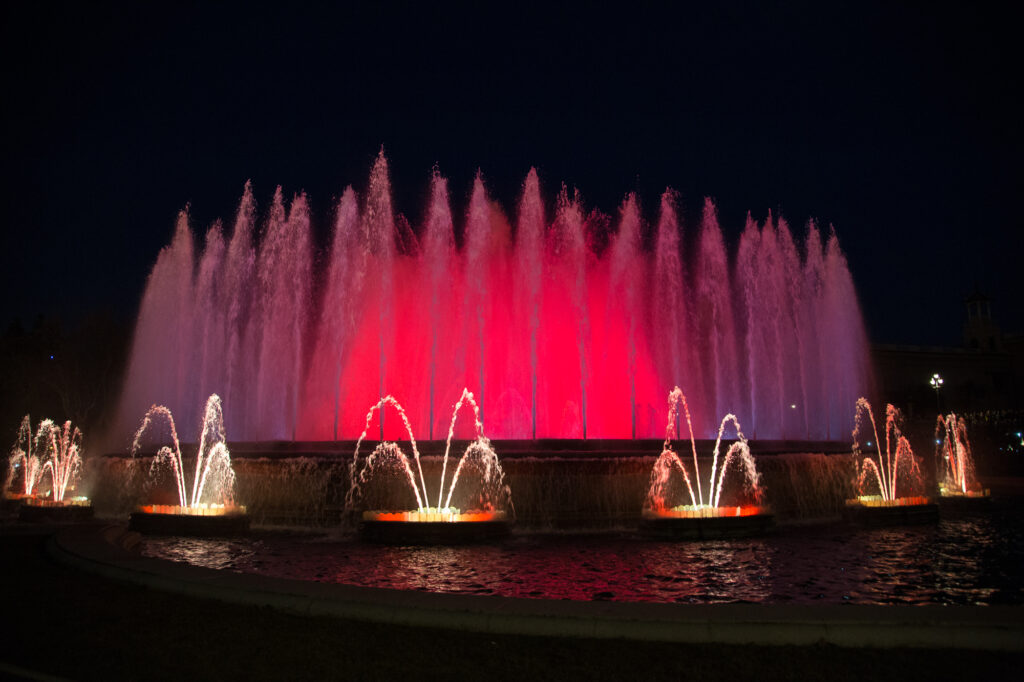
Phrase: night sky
[895,124]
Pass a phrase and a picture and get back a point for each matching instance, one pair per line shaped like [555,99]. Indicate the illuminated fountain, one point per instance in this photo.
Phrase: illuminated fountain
[56,451]
[704,516]
[571,323]
[890,486]
[209,507]
[23,463]
[955,460]
[490,498]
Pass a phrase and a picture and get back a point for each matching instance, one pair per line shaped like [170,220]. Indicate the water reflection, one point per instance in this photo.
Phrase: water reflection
[966,560]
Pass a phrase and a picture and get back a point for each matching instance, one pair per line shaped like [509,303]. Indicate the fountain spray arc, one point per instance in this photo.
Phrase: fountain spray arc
[955,459]
[886,471]
[214,480]
[670,461]
[54,449]
[494,496]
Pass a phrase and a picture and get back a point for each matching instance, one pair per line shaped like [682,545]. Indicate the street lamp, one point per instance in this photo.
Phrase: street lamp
[936,383]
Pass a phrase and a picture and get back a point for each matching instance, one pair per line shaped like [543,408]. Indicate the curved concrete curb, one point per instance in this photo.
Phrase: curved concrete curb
[107,552]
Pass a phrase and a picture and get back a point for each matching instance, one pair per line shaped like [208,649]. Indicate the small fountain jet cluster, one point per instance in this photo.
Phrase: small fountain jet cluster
[954,457]
[213,484]
[494,497]
[886,471]
[669,461]
[53,449]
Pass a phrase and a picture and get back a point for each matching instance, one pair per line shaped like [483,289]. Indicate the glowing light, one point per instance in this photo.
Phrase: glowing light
[203,509]
[66,502]
[879,501]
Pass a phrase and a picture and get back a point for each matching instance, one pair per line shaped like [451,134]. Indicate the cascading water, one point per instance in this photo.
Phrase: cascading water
[563,337]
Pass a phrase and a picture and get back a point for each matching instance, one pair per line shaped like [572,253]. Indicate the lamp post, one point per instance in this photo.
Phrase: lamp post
[936,383]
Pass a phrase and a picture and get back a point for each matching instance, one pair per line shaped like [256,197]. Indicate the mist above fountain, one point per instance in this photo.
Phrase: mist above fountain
[571,323]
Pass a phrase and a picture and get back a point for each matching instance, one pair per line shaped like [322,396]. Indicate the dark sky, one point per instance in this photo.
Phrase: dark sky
[897,124]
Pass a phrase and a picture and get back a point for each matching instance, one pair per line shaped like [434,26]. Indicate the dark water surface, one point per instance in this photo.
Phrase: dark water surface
[966,558]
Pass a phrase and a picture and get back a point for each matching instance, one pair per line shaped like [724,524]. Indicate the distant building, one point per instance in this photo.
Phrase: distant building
[986,373]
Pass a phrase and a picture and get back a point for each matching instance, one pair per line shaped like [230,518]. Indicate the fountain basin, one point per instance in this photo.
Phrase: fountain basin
[706,523]
[872,510]
[433,527]
[201,521]
[34,510]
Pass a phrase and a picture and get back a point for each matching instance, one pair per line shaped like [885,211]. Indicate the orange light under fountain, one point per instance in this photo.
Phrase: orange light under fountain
[705,512]
[878,501]
[435,516]
[33,501]
[198,510]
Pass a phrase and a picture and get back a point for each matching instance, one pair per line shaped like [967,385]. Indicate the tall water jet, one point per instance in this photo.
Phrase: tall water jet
[162,348]
[564,357]
[624,311]
[530,263]
[439,254]
[713,314]
[236,300]
[563,337]
[478,227]
[285,276]
[379,238]
[209,321]
[669,314]
[338,319]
